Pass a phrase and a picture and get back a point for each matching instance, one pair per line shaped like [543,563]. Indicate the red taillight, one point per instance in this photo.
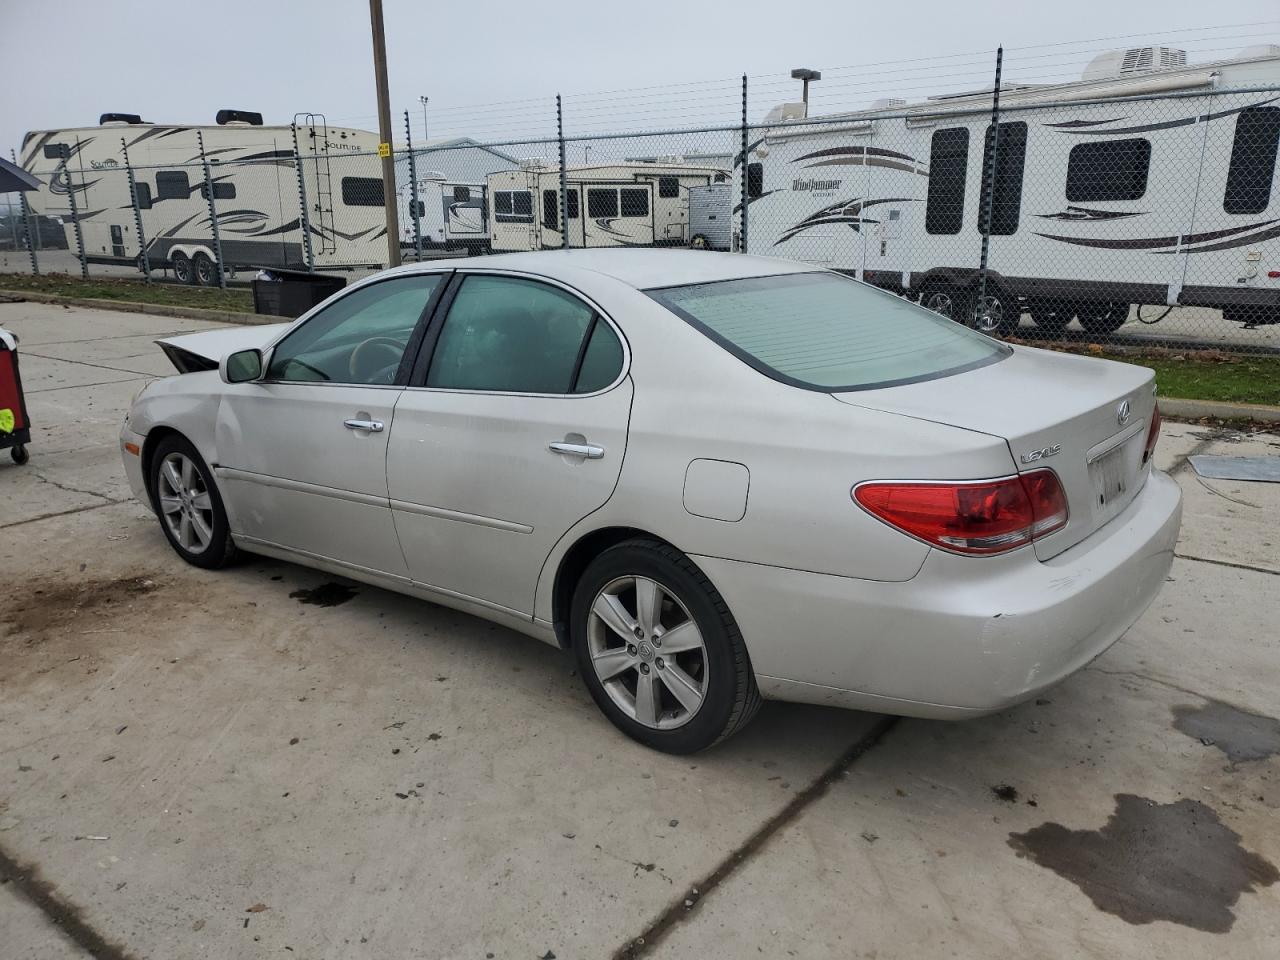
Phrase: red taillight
[1153,434]
[975,517]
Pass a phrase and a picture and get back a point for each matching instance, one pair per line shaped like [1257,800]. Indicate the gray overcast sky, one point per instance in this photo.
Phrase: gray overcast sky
[280,58]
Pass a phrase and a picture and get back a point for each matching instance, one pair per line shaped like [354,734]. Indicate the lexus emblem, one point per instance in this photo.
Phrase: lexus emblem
[1122,413]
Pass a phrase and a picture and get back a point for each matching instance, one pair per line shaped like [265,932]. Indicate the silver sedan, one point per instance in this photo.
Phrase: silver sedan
[715,478]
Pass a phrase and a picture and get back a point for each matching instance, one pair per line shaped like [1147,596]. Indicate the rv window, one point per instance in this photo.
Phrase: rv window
[571,201]
[635,202]
[1253,160]
[602,203]
[948,163]
[550,210]
[143,192]
[1108,170]
[513,206]
[461,194]
[221,191]
[668,187]
[172,185]
[755,180]
[509,335]
[362,191]
[1006,198]
[57,151]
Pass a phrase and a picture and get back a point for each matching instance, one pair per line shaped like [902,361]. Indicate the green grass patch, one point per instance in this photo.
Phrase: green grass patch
[133,291]
[1210,376]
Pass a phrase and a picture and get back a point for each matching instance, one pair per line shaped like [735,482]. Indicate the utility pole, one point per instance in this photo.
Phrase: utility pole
[425,135]
[384,134]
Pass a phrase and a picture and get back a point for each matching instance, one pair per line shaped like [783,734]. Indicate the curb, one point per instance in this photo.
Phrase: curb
[1218,410]
[154,309]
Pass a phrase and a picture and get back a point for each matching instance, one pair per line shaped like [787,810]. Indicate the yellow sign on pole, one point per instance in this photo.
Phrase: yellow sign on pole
[384,150]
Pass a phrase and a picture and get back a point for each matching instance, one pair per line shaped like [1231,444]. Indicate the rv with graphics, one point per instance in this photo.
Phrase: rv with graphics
[1101,201]
[626,204]
[450,216]
[263,179]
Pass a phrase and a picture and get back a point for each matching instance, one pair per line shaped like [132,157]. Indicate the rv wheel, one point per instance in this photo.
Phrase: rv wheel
[991,315]
[183,270]
[1102,317]
[206,272]
[944,301]
[1051,317]
[699,242]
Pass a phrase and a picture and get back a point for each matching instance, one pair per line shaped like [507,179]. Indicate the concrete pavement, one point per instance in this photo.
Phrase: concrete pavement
[380,777]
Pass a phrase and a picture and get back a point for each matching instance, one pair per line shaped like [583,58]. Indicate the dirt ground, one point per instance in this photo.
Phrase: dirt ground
[267,761]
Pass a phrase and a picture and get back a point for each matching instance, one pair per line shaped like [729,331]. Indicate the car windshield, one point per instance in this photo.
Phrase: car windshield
[822,331]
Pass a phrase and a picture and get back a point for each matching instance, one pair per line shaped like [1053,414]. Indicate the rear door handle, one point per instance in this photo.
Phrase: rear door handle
[588,451]
[373,426]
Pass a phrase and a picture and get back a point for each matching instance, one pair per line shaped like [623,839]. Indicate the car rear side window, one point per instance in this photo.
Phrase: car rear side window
[509,335]
[822,331]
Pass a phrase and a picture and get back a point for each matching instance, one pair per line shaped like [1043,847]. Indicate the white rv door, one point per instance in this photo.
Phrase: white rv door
[465,212]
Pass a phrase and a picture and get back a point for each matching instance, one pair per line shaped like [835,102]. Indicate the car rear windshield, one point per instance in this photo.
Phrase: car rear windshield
[822,331]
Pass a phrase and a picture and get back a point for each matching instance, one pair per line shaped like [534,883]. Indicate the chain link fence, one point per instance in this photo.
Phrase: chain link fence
[1148,220]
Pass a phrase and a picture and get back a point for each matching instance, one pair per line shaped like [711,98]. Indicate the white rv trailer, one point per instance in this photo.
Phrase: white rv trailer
[1100,203]
[256,193]
[451,216]
[626,204]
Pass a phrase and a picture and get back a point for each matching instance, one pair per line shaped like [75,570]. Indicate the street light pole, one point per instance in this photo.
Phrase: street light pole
[805,75]
[423,100]
[384,134]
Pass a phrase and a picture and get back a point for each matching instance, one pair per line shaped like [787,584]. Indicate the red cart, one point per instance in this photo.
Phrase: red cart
[15,427]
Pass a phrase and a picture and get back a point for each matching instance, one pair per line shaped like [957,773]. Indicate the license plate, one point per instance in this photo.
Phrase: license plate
[1109,476]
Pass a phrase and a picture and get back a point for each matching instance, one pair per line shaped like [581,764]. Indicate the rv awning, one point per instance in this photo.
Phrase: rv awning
[13,178]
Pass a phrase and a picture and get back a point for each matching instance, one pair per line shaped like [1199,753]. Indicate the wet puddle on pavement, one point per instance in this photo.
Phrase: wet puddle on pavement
[1240,735]
[326,595]
[1152,861]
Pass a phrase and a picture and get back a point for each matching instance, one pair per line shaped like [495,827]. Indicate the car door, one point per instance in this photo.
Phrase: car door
[302,452]
[512,429]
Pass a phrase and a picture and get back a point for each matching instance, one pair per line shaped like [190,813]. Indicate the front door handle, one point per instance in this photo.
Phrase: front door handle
[373,426]
[588,451]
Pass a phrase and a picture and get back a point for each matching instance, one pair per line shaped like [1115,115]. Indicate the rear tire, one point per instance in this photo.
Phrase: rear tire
[681,698]
[995,314]
[206,271]
[945,300]
[184,270]
[188,504]
[1050,317]
[1102,317]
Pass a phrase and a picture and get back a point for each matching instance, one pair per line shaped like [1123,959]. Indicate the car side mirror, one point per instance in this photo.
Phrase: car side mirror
[243,366]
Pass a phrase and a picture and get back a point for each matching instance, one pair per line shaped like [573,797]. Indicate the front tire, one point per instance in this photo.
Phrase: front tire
[659,650]
[189,506]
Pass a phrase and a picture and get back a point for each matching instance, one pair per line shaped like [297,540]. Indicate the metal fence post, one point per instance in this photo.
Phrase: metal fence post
[413,189]
[304,219]
[143,256]
[745,178]
[33,238]
[989,162]
[75,213]
[213,214]
[564,192]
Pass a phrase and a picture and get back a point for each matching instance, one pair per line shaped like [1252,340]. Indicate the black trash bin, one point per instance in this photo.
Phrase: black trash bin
[291,293]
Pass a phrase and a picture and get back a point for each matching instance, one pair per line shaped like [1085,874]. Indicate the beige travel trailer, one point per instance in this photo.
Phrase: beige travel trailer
[267,182]
[608,205]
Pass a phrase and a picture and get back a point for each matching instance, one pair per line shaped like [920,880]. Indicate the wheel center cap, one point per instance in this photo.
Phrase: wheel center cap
[645,651]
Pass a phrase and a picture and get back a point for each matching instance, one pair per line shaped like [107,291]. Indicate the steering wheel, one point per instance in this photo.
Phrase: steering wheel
[375,360]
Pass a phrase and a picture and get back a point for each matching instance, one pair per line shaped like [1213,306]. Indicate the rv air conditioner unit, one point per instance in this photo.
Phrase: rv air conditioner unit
[1259,51]
[532,163]
[119,118]
[786,111]
[887,103]
[1123,63]
[238,117]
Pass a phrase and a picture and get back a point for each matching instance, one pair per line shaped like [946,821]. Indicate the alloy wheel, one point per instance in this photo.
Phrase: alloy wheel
[989,317]
[647,652]
[940,302]
[185,503]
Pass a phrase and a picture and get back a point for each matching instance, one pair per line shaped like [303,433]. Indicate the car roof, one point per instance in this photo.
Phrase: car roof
[643,269]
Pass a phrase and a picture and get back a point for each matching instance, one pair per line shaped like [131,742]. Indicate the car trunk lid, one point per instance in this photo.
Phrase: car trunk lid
[1084,418]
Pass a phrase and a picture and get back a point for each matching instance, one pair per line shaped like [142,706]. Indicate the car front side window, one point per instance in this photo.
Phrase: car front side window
[509,335]
[359,339]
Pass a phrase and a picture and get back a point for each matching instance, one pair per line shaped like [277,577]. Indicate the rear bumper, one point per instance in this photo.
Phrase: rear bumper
[967,635]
